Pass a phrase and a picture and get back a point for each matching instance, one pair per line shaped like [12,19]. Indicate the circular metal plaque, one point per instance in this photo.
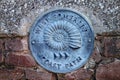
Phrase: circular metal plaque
[61,40]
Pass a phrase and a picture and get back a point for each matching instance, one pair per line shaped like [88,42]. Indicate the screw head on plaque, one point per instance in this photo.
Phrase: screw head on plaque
[61,40]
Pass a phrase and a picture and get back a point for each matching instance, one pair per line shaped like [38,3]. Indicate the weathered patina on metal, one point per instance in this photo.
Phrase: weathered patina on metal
[61,40]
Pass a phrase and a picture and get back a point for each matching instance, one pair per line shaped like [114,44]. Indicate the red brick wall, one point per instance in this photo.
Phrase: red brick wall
[17,63]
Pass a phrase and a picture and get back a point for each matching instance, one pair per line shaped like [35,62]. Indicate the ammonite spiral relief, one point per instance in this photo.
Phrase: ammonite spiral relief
[62,34]
[61,40]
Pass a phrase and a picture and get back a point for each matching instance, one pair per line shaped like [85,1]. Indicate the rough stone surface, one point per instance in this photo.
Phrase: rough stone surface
[16,44]
[16,16]
[90,64]
[39,75]
[109,71]
[20,59]
[112,46]
[61,76]
[81,74]
[16,74]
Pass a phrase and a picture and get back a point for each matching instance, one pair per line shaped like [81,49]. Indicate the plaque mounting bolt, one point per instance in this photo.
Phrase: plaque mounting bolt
[89,40]
[33,42]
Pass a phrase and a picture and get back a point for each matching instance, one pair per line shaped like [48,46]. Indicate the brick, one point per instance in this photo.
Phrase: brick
[112,47]
[1,58]
[81,74]
[39,75]
[109,71]
[1,43]
[107,60]
[16,44]
[112,33]
[97,51]
[99,37]
[17,59]
[1,50]
[15,74]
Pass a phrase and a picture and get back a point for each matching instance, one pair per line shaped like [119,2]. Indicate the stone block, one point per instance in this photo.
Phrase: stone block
[16,44]
[1,45]
[15,74]
[112,47]
[20,59]
[109,71]
[1,50]
[1,58]
[39,75]
[112,33]
[81,74]
[96,56]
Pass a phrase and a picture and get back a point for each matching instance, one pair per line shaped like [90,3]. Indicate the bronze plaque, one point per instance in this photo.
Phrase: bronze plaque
[61,40]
